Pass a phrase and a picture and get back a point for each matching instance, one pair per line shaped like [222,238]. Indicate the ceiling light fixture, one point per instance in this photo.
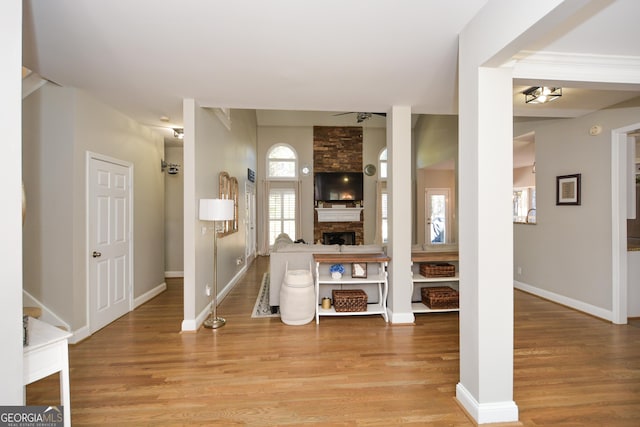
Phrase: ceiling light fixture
[178,133]
[541,94]
[361,117]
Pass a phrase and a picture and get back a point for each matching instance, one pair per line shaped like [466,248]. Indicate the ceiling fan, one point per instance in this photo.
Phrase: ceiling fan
[361,117]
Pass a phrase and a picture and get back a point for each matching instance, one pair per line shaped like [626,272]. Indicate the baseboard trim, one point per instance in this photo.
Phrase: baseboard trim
[401,318]
[79,335]
[173,274]
[566,301]
[483,413]
[137,302]
[48,316]
[191,325]
[232,283]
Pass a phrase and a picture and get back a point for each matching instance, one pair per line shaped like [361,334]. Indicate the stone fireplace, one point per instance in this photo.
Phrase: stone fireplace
[339,238]
[338,149]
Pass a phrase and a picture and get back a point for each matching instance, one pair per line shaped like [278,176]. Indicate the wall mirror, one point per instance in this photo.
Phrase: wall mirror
[228,189]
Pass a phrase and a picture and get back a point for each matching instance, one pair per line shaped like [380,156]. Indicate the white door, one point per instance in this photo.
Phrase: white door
[109,235]
[437,216]
[250,218]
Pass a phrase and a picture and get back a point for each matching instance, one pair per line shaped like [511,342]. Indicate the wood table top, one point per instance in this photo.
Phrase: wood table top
[434,256]
[351,257]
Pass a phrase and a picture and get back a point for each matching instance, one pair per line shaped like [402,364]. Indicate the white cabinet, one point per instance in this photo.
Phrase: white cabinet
[46,354]
[420,281]
[376,277]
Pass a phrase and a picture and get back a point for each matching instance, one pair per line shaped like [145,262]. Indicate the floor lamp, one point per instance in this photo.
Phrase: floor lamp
[215,210]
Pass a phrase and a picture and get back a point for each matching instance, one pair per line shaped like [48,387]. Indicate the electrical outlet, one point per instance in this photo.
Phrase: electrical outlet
[519,271]
[204,230]
[207,290]
[239,261]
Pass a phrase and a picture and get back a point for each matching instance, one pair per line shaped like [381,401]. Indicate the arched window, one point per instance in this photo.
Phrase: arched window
[283,188]
[282,162]
[382,164]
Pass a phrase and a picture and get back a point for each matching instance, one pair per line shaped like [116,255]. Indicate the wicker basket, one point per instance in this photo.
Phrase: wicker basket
[349,300]
[440,297]
[438,270]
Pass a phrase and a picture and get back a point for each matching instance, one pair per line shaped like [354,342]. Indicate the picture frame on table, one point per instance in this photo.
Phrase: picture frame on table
[568,189]
[359,270]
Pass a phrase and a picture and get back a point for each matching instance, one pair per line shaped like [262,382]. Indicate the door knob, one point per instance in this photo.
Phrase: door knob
[96,254]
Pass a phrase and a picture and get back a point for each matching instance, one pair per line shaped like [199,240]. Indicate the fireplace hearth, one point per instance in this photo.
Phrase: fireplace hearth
[339,238]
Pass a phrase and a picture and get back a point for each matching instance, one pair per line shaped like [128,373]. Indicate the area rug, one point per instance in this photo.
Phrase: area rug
[262,307]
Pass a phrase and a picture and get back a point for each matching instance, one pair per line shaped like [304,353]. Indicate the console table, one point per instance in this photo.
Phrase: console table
[46,354]
[377,278]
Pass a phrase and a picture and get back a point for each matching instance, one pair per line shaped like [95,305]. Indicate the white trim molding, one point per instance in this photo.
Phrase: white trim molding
[401,318]
[566,301]
[224,115]
[47,316]
[147,296]
[173,274]
[339,214]
[192,325]
[558,66]
[483,413]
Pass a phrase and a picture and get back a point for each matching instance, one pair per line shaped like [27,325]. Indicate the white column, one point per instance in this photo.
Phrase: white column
[486,245]
[400,191]
[189,323]
[11,392]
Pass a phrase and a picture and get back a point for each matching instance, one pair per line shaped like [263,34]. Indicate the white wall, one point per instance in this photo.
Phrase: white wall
[374,141]
[48,165]
[60,126]
[102,129]
[173,214]
[11,392]
[568,252]
[211,148]
[524,177]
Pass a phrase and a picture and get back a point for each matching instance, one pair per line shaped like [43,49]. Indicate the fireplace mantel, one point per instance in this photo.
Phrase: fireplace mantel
[339,214]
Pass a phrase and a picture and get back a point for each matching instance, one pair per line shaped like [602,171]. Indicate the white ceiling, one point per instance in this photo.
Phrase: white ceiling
[144,56]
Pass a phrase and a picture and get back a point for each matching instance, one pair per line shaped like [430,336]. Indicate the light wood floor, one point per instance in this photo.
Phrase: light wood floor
[570,369]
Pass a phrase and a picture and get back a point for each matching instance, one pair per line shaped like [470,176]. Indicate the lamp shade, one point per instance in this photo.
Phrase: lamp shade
[216,209]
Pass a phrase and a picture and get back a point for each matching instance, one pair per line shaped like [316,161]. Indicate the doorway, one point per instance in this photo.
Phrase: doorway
[623,200]
[437,216]
[109,241]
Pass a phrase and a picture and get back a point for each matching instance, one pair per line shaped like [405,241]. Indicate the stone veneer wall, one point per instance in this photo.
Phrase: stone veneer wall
[337,149]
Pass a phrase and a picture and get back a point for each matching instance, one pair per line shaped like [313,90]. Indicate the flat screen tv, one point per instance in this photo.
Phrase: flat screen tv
[338,186]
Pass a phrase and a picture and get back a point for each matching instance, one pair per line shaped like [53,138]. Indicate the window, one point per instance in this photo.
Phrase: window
[282,213]
[282,165]
[385,217]
[524,205]
[282,162]
[438,217]
[383,196]
[382,163]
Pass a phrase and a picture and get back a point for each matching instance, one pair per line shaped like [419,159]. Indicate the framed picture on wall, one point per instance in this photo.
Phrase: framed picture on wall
[568,189]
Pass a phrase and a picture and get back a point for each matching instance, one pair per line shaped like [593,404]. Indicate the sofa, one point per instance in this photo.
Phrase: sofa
[287,254]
